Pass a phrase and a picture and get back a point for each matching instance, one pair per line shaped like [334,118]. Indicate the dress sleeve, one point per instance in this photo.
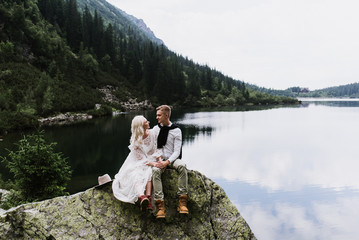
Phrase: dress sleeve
[137,151]
[157,153]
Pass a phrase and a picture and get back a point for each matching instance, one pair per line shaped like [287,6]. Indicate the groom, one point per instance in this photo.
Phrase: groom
[170,140]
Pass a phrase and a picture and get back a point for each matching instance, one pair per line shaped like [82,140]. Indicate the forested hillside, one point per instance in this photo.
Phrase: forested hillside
[349,90]
[343,91]
[54,57]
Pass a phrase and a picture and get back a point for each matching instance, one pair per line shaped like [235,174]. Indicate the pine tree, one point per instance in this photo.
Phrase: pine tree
[87,26]
[73,25]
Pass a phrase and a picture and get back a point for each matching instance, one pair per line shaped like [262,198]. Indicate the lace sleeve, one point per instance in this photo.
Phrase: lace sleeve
[157,153]
[137,151]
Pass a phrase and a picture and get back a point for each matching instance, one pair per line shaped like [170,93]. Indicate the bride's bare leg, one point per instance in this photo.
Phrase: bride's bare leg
[148,188]
[148,194]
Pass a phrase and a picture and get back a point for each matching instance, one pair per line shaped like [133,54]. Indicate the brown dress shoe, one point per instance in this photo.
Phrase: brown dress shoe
[161,209]
[182,204]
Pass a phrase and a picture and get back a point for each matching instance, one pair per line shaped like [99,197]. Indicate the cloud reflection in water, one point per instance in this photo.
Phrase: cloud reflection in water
[299,165]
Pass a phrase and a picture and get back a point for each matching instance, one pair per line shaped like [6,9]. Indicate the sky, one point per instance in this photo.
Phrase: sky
[270,43]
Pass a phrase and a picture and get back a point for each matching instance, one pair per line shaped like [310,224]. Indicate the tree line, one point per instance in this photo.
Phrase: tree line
[348,90]
[342,91]
[53,57]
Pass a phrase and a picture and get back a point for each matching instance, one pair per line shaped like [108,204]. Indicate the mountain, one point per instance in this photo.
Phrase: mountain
[119,18]
[58,56]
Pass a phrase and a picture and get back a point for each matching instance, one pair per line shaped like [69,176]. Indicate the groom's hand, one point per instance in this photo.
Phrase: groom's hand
[162,164]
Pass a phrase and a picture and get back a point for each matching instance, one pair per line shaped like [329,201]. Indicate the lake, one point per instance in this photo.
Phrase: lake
[291,171]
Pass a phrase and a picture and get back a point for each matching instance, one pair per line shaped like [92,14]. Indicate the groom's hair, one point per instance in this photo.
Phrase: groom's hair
[165,109]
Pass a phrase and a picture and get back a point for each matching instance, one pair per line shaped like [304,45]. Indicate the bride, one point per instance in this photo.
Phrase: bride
[133,181]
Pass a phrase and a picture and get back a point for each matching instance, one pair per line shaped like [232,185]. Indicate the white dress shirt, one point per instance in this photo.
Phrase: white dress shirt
[172,149]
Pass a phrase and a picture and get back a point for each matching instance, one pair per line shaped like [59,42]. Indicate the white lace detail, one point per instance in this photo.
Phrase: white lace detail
[147,140]
[131,180]
[138,153]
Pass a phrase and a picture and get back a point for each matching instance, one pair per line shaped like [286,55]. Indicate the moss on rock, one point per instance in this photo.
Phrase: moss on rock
[96,214]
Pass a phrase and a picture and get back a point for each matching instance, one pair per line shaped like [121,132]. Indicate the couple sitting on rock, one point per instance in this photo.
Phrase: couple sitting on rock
[151,152]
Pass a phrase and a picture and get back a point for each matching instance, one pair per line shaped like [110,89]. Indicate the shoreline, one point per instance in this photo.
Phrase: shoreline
[67,118]
[64,119]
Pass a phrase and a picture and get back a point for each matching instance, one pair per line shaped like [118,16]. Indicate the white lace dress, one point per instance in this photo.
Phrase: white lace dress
[130,182]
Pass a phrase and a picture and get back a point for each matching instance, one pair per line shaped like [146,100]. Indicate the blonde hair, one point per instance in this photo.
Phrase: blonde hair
[137,129]
[165,109]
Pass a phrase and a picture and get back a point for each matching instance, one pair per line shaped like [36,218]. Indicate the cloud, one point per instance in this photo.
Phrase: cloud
[275,43]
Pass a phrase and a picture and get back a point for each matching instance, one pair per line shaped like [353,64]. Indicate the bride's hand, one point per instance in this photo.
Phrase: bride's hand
[162,164]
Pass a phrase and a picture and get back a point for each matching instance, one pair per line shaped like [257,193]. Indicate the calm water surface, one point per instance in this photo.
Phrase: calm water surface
[292,172]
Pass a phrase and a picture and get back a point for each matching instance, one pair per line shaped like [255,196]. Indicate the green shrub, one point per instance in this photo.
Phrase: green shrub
[16,120]
[39,172]
[2,183]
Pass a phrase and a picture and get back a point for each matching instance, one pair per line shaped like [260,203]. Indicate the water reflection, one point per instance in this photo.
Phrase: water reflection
[269,147]
[330,102]
[338,104]
[96,147]
[93,148]
[290,171]
[312,213]
[191,132]
[323,220]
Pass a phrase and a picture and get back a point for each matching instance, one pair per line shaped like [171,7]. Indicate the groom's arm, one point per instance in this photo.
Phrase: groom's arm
[177,144]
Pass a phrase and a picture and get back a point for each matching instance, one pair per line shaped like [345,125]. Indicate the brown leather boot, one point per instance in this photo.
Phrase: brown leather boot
[161,209]
[182,204]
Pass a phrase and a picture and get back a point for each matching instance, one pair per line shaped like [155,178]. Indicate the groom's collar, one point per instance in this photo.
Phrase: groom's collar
[169,125]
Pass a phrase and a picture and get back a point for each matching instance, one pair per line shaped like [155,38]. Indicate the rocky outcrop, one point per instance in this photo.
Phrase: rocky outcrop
[132,104]
[96,214]
[108,95]
[64,119]
[3,194]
